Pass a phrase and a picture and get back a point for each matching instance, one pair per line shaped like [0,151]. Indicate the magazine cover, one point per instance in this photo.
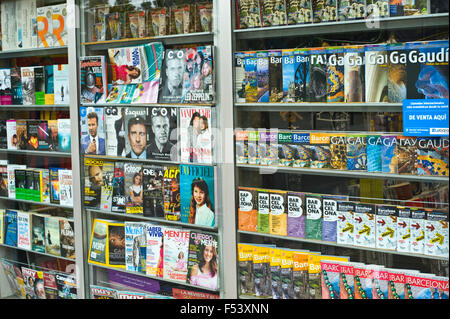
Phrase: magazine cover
[407,155]
[127,65]
[427,69]
[248,14]
[345,223]
[273,13]
[16,86]
[261,269]
[146,92]
[275,76]
[374,149]
[93,182]
[44,26]
[239,77]
[5,87]
[59,27]
[338,150]
[356,152]
[196,125]
[135,246]
[278,213]
[318,80]
[247,209]
[137,127]
[50,287]
[34,283]
[172,195]
[98,242]
[275,272]
[245,268]
[241,142]
[107,186]
[299,11]
[203,260]
[198,77]
[133,188]
[286,153]
[67,238]
[64,137]
[296,214]
[118,200]
[38,233]
[28,88]
[98,292]
[152,182]
[24,230]
[397,72]
[262,76]
[93,79]
[314,216]
[61,83]
[268,147]
[263,217]
[251,81]
[52,236]
[163,133]
[354,74]
[10,228]
[172,75]
[65,187]
[324,10]
[67,286]
[386,227]
[389,153]
[376,73]
[92,130]
[114,128]
[320,150]
[176,250]
[116,245]
[197,195]
[335,74]
[155,250]
[351,9]
[364,221]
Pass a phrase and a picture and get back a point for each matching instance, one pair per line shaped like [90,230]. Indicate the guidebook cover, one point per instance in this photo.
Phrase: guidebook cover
[275,76]
[247,209]
[335,74]
[318,80]
[354,74]
[376,73]
[197,195]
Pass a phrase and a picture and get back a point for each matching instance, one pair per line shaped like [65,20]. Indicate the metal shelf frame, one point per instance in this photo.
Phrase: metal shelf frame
[319,107]
[9,54]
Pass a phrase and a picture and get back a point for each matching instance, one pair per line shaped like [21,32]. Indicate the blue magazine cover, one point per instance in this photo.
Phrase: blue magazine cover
[10,228]
[197,195]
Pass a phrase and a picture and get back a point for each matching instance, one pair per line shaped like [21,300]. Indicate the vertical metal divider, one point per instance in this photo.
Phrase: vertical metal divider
[73,42]
[224,146]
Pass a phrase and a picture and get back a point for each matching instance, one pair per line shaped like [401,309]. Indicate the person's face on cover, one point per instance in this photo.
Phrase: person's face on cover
[39,288]
[92,126]
[199,196]
[174,72]
[96,175]
[196,123]
[208,253]
[137,138]
[161,127]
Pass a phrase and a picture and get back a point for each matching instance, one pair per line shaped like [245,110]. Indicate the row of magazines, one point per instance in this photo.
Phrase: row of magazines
[267,271]
[149,73]
[375,152]
[29,283]
[383,72]
[270,13]
[336,219]
[165,252]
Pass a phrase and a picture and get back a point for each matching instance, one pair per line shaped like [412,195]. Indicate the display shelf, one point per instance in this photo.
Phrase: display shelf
[153,277]
[33,202]
[328,243]
[32,52]
[147,161]
[350,174]
[391,23]
[34,107]
[37,252]
[319,107]
[154,219]
[198,37]
[37,153]
[143,105]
